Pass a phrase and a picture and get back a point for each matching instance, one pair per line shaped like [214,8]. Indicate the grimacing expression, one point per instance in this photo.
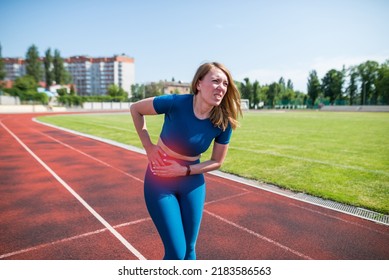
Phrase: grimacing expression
[213,86]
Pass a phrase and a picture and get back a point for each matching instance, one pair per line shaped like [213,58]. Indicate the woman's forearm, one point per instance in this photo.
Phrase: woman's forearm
[204,167]
[219,153]
[140,126]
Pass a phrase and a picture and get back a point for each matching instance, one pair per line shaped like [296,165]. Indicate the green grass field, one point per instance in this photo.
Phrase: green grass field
[339,156]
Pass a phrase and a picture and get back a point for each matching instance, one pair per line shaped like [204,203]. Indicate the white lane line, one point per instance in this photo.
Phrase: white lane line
[225,182]
[340,219]
[69,239]
[91,157]
[79,198]
[51,243]
[258,235]
[226,198]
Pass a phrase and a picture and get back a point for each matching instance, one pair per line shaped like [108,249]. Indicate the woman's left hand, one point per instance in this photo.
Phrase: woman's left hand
[171,168]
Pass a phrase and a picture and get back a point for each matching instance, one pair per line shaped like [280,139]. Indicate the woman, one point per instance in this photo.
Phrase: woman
[174,185]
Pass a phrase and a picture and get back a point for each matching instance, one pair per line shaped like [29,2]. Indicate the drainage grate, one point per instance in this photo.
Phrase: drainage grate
[352,210]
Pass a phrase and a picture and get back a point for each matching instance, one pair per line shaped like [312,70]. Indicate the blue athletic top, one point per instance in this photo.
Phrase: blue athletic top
[182,131]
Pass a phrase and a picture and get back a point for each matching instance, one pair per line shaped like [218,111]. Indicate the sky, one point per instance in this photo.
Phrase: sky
[261,40]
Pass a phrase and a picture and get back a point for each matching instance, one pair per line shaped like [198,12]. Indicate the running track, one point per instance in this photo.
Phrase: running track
[64,196]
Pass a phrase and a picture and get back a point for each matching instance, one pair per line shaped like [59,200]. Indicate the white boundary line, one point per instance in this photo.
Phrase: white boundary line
[79,198]
[89,156]
[69,239]
[258,235]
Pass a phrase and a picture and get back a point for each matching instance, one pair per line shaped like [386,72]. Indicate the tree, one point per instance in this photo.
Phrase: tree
[274,90]
[300,98]
[247,92]
[287,96]
[332,85]
[282,84]
[313,87]
[2,66]
[289,85]
[282,94]
[290,94]
[382,83]
[48,63]
[62,92]
[117,93]
[138,92]
[368,73]
[61,76]
[33,64]
[256,90]
[153,89]
[263,94]
[352,89]
[26,89]
[25,84]
[72,90]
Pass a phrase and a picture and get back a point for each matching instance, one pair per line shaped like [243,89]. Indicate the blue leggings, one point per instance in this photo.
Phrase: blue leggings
[176,207]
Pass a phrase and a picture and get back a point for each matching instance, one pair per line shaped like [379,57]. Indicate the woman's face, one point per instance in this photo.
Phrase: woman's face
[213,86]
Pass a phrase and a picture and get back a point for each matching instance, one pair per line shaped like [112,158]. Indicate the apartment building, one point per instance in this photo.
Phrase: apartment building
[14,67]
[91,76]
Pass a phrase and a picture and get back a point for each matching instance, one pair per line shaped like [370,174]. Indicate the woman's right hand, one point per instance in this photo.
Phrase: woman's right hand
[155,155]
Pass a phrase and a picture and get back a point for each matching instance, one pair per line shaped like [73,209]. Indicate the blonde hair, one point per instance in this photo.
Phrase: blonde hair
[229,108]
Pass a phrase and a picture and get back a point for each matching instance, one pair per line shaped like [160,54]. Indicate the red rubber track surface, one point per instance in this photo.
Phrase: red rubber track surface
[79,198]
